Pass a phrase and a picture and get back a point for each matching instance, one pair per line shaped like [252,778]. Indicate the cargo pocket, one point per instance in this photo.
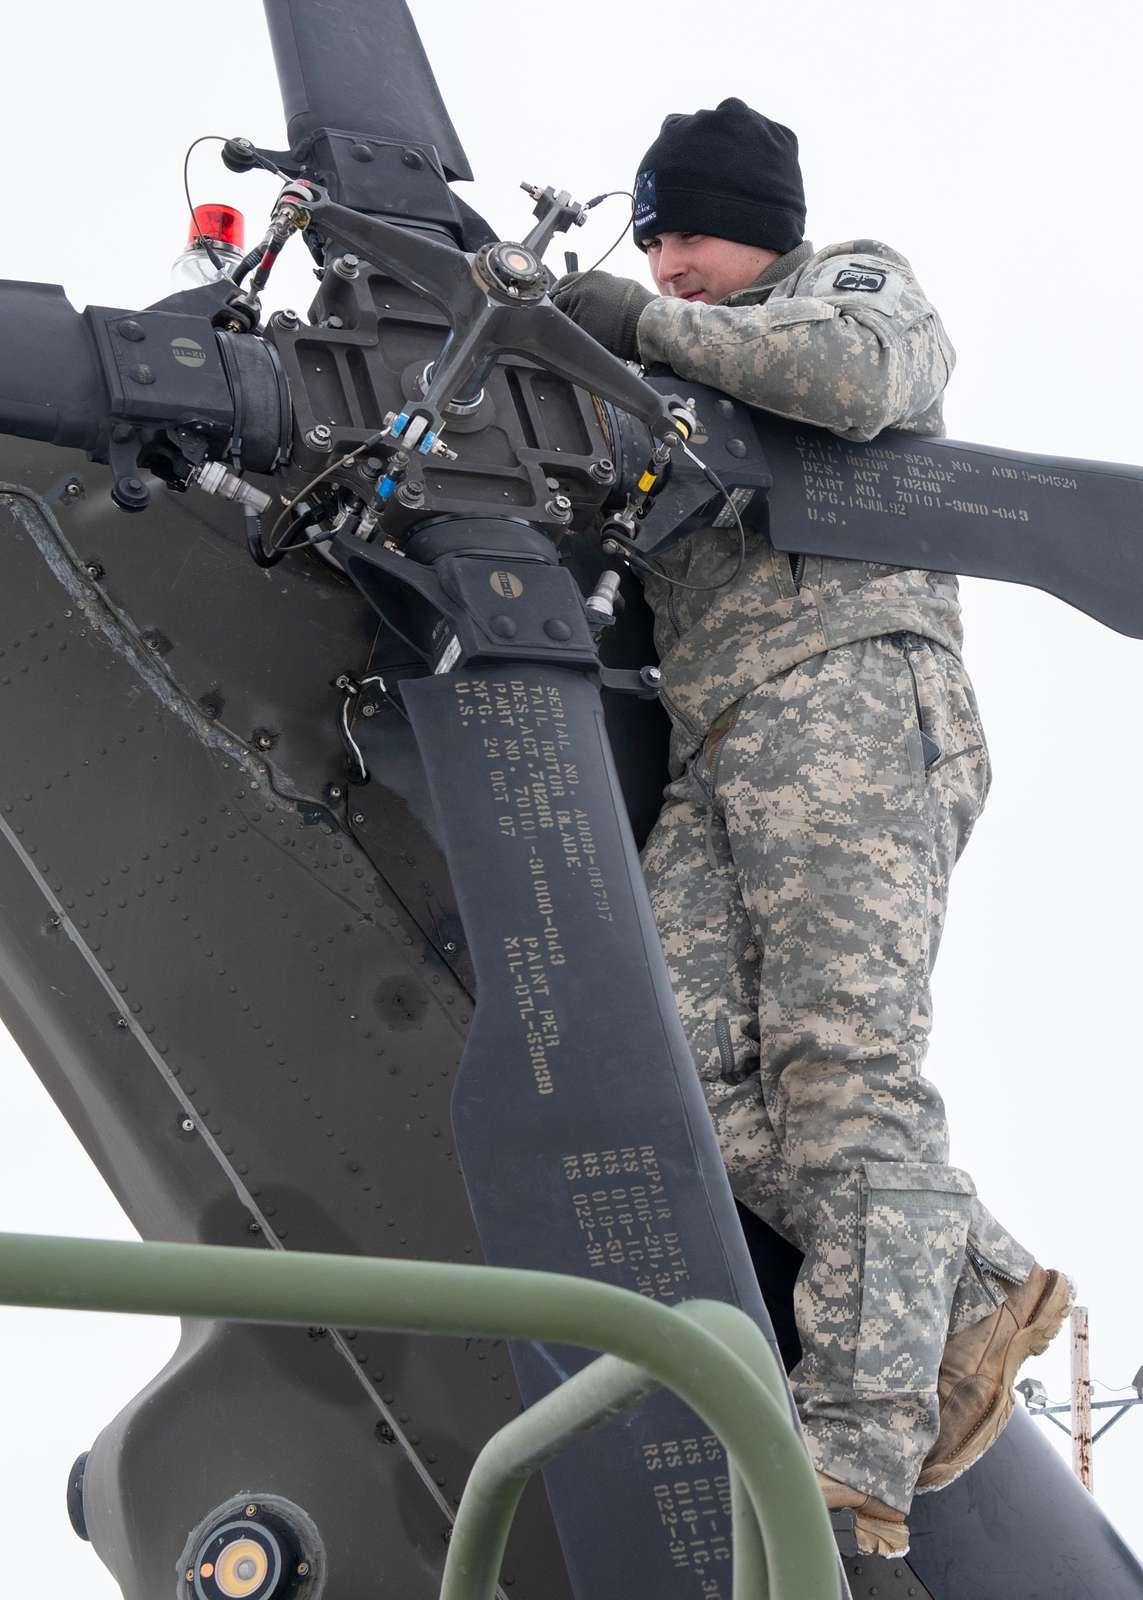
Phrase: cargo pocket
[914,1225]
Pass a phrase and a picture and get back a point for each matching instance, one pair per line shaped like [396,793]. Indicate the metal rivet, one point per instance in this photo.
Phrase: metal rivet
[412,158]
[504,627]
[142,373]
[735,447]
[556,628]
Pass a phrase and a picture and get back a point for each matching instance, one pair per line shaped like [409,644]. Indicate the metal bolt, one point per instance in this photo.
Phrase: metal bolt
[334,322]
[559,507]
[346,266]
[611,547]
[334,791]
[73,488]
[285,319]
[602,471]
[54,921]
[263,739]
[552,483]
[410,493]
[190,1574]
[187,1124]
[121,1022]
[359,817]
[253,1227]
[450,945]
[320,437]
[651,675]
[369,709]
[251,1511]
[303,1568]
[93,570]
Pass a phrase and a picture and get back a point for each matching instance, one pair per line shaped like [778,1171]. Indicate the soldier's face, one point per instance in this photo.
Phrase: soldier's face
[695,266]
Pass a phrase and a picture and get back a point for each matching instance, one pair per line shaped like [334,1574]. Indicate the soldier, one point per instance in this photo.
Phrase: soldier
[828,765]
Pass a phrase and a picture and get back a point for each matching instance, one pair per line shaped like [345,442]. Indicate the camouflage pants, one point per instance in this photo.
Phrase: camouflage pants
[799,875]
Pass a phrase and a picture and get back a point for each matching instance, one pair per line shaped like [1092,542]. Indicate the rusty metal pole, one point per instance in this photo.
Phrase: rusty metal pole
[1081,1398]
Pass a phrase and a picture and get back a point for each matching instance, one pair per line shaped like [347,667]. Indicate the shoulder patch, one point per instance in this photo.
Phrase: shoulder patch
[877,283]
[869,280]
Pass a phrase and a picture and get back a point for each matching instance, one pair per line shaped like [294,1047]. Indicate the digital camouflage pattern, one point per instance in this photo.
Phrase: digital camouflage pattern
[828,766]
[852,360]
[799,876]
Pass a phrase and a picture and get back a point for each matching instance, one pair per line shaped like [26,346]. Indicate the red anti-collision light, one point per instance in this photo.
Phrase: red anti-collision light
[221,223]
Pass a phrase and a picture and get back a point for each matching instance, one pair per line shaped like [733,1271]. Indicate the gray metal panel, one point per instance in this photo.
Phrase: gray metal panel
[227,954]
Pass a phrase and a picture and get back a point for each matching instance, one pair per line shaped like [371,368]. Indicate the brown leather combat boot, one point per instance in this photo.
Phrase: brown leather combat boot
[878,1528]
[979,1368]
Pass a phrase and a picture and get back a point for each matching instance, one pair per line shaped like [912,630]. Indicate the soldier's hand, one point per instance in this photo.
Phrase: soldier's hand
[607,307]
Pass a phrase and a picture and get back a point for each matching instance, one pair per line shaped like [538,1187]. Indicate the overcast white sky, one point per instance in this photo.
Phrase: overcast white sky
[996,145]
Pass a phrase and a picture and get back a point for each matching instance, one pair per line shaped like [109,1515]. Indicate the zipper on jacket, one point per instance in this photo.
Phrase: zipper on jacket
[984,1265]
[729,1072]
[930,750]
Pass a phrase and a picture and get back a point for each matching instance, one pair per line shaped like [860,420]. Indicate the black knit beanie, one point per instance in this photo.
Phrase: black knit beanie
[730,172]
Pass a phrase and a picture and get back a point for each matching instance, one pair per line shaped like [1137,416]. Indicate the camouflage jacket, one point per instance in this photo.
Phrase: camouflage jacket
[811,341]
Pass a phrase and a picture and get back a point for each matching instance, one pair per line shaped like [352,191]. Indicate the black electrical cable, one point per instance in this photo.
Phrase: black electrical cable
[259,160]
[594,201]
[200,237]
[262,556]
[299,524]
[342,461]
[249,261]
[633,554]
